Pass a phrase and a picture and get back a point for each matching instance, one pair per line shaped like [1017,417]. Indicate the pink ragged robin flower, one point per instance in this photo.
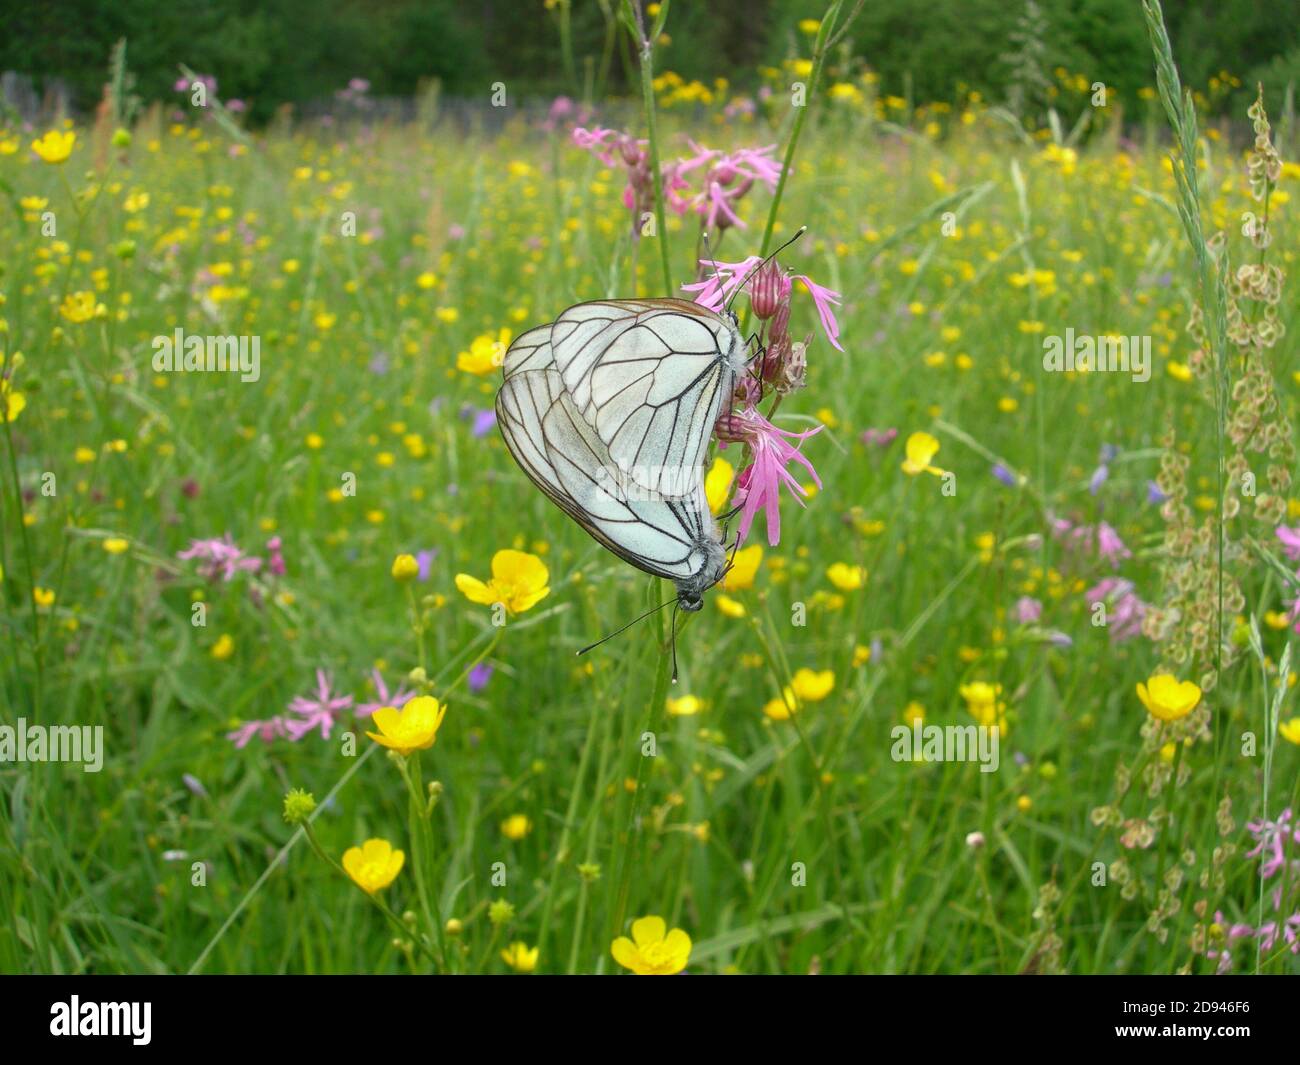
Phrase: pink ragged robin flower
[758,485]
[316,711]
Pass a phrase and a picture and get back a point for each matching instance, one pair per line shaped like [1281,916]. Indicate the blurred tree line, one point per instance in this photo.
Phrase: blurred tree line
[271,52]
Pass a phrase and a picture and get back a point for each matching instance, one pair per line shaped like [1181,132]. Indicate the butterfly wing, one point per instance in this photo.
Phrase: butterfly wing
[563,456]
[650,377]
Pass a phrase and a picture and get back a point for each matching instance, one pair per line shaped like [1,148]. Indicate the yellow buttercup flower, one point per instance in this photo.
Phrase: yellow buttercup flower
[12,403]
[983,702]
[744,568]
[43,596]
[921,449]
[519,581]
[405,568]
[55,146]
[1290,730]
[412,728]
[485,354]
[980,691]
[806,686]
[732,608]
[652,950]
[521,957]
[516,826]
[223,648]
[374,865]
[845,577]
[1167,698]
[781,708]
[80,307]
[717,483]
[115,545]
[684,706]
[811,686]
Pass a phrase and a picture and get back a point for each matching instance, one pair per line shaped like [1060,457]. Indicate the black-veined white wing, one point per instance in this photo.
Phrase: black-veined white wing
[650,377]
[560,452]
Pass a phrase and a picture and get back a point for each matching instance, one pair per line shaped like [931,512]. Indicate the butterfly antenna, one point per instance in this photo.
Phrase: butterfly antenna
[708,251]
[737,290]
[652,610]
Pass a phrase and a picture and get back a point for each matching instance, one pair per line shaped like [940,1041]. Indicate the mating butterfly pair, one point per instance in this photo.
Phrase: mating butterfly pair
[609,410]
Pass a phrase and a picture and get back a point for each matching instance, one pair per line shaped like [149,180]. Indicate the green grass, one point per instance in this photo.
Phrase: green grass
[733,802]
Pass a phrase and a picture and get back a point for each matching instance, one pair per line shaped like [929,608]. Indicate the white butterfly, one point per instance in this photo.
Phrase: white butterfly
[609,411]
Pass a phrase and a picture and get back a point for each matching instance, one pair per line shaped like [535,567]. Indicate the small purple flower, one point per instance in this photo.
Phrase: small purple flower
[1028,610]
[479,677]
[194,785]
[424,559]
[1098,478]
[1004,475]
[1154,495]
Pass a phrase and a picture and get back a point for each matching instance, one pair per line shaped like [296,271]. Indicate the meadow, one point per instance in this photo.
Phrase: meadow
[214,570]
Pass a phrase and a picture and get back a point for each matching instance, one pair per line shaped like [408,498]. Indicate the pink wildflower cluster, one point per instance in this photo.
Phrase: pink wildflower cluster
[769,291]
[780,365]
[708,184]
[225,560]
[771,451]
[1084,546]
[1277,849]
[1082,539]
[1124,609]
[319,710]
[723,180]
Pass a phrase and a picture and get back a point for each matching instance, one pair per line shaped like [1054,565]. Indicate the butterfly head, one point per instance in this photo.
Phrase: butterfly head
[690,602]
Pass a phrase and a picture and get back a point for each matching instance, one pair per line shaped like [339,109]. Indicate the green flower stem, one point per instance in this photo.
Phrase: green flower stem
[781,674]
[374,899]
[422,849]
[820,47]
[570,818]
[646,45]
[629,839]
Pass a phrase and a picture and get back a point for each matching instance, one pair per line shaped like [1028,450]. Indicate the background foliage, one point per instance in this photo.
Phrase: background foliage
[271,52]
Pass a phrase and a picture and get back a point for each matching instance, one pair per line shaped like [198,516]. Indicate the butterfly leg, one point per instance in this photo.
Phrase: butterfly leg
[673,630]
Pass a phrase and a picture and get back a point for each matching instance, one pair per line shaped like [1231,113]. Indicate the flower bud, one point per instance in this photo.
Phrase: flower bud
[298,806]
[766,291]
